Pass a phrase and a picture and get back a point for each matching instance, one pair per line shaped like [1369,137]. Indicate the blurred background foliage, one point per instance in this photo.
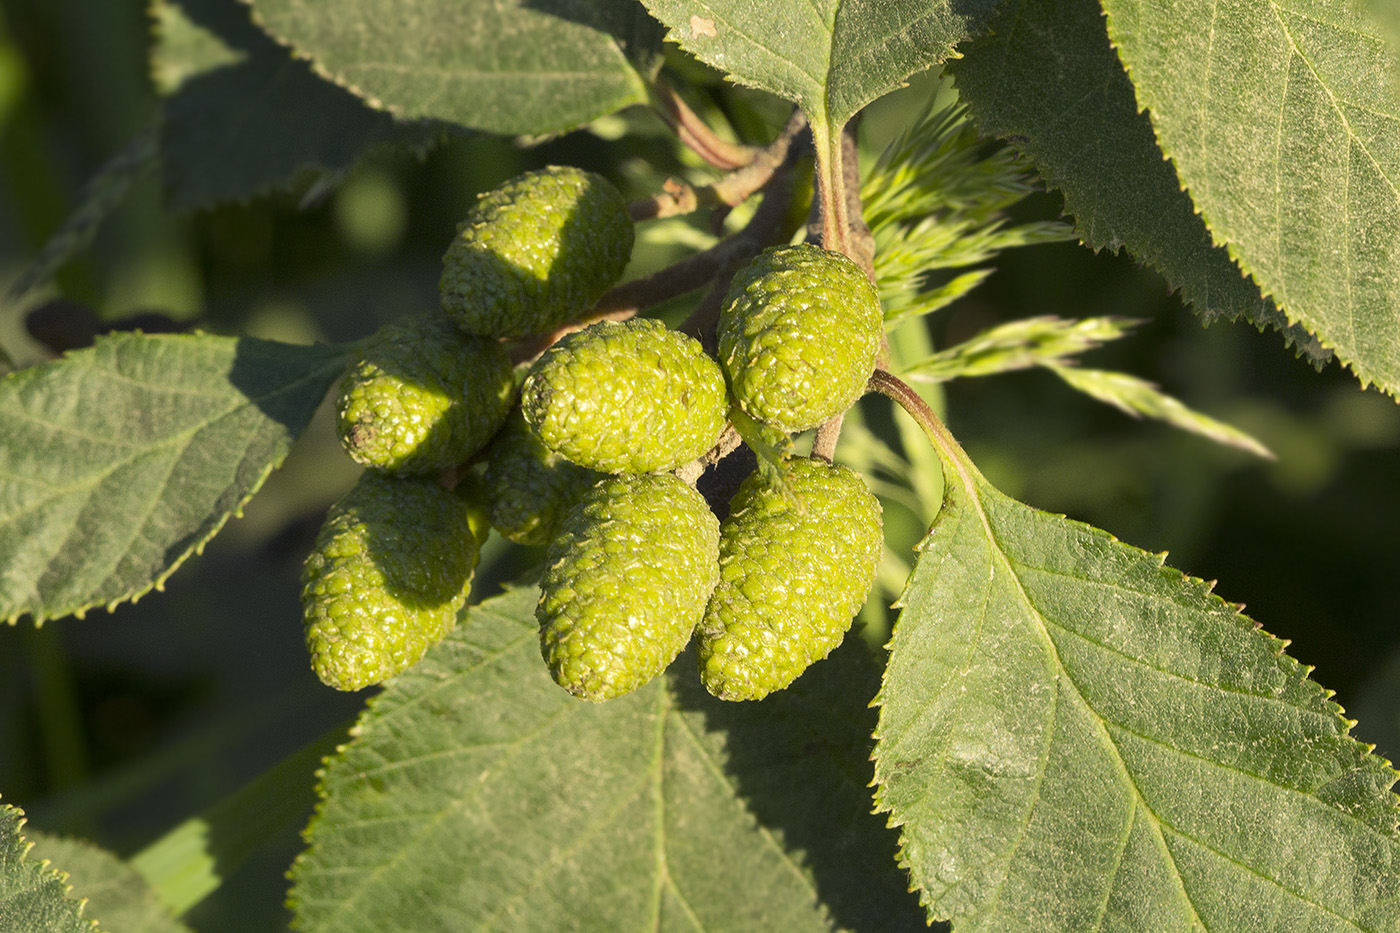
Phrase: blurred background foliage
[118,727]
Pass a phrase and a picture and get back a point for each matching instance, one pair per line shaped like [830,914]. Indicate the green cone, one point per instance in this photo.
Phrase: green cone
[625,584]
[798,335]
[390,571]
[527,487]
[795,568]
[423,397]
[536,253]
[633,397]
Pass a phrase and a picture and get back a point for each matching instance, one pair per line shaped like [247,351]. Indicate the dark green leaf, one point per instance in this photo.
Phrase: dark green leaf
[506,66]
[1046,79]
[477,795]
[832,57]
[119,461]
[33,897]
[1075,737]
[118,899]
[1283,121]
[243,118]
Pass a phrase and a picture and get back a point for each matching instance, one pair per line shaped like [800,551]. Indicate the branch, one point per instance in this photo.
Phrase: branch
[831,189]
[730,191]
[695,132]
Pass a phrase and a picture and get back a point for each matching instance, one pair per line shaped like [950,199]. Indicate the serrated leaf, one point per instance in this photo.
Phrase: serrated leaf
[33,897]
[477,795]
[118,899]
[243,118]
[1046,79]
[191,37]
[831,57]
[119,461]
[1283,121]
[1074,737]
[505,66]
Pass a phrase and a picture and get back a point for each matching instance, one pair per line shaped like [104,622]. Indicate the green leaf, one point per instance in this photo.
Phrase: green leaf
[1074,736]
[194,859]
[121,460]
[831,57]
[1046,79]
[506,66]
[1283,120]
[222,140]
[478,795]
[117,897]
[33,897]
[191,37]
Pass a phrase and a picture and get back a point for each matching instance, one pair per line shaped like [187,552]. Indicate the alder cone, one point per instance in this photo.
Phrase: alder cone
[798,332]
[423,397]
[631,397]
[388,574]
[528,488]
[626,582]
[795,568]
[536,253]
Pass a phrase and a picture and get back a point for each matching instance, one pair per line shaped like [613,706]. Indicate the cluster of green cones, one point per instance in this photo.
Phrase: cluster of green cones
[582,457]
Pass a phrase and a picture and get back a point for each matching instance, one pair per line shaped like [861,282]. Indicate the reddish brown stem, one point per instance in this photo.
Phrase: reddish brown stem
[695,132]
[730,191]
[891,386]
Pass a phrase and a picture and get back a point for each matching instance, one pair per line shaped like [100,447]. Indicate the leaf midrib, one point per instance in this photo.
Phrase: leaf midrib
[974,498]
[1101,723]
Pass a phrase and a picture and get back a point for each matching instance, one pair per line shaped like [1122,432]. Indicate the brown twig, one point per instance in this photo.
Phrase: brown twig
[765,228]
[695,132]
[861,239]
[886,383]
[728,442]
[730,191]
[858,244]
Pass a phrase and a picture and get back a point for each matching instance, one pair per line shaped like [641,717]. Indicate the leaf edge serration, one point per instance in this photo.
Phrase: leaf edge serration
[1101,233]
[1352,756]
[339,356]
[375,103]
[12,817]
[368,718]
[1232,247]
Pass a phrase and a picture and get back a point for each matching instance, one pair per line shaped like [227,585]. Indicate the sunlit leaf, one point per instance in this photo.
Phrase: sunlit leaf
[1045,78]
[34,897]
[476,794]
[1142,399]
[832,57]
[1035,341]
[507,66]
[1074,736]
[1283,121]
